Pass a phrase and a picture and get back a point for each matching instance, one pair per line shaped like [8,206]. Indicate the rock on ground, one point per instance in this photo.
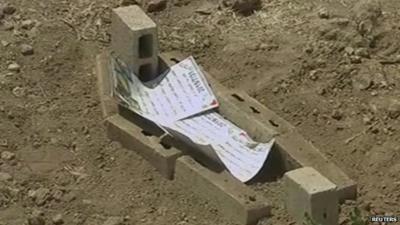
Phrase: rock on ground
[5,176]
[27,49]
[57,219]
[9,9]
[244,7]
[156,5]
[6,155]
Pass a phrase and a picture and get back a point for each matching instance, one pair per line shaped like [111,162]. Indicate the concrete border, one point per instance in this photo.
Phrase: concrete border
[131,137]
[237,202]
[261,122]
[107,104]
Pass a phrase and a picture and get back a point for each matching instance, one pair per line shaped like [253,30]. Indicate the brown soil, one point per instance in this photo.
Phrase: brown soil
[329,67]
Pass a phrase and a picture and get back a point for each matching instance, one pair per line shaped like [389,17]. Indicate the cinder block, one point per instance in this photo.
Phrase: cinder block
[108,105]
[237,202]
[130,136]
[134,40]
[310,193]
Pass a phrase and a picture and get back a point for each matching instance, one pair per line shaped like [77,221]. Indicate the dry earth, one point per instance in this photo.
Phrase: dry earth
[329,67]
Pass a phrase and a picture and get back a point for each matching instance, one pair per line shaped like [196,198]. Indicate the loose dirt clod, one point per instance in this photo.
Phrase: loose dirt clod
[9,9]
[57,219]
[5,176]
[26,49]
[246,7]
[156,5]
[27,24]
[6,155]
[14,67]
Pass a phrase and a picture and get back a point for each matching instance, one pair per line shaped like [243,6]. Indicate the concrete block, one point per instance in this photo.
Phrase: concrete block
[234,200]
[130,136]
[310,193]
[108,105]
[134,40]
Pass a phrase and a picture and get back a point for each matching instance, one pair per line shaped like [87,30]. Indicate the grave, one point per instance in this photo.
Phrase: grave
[134,40]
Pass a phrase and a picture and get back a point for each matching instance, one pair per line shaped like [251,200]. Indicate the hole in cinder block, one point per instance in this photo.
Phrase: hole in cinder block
[175,60]
[145,72]
[273,123]
[254,110]
[146,133]
[237,97]
[146,46]
[165,145]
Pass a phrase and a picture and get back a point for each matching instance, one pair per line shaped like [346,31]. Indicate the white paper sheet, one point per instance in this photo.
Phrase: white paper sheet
[182,92]
[182,103]
[243,157]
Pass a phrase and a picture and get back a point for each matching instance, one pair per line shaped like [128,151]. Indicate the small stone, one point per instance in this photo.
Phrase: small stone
[314,74]
[9,9]
[349,50]
[315,112]
[41,195]
[26,49]
[4,43]
[275,90]
[6,155]
[374,93]
[1,13]
[394,109]
[323,13]
[14,67]
[246,7]
[156,5]
[27,24]
[57,219]
[355,59]
[5,176]
[321,91]
[367,120]
[362,81]
[8,26]
[362,52]
[337,115]
[115,220]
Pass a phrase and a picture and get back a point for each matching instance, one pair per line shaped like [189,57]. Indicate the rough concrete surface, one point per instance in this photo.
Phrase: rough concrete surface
[309,195]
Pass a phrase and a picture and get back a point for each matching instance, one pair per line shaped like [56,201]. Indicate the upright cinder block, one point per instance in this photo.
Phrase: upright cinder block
[310,193]
[134,40]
